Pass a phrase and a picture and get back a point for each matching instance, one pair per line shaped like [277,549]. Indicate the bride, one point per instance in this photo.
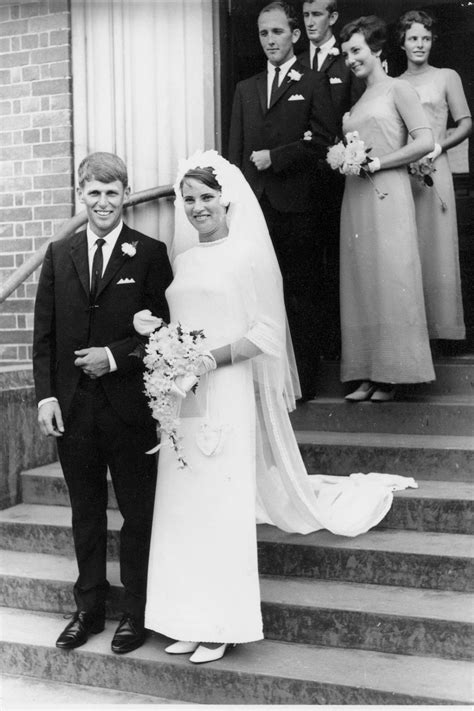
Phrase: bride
[244,462]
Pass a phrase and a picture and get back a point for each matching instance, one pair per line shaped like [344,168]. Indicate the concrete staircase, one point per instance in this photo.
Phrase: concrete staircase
[385,618]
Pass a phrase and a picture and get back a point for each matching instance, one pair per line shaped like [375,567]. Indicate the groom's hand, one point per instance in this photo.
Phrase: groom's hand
[92,361]
[50,419]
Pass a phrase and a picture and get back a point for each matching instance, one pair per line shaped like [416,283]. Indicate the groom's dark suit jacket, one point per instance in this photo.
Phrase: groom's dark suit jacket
[291,184]
[345,88]
[66,321]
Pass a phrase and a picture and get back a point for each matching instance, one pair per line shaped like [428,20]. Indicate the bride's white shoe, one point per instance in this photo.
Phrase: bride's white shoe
[204,654]
[182,647]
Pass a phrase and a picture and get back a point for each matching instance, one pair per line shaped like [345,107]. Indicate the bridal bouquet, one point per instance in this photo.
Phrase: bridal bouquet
[171,352]
[422,170]
[351,157]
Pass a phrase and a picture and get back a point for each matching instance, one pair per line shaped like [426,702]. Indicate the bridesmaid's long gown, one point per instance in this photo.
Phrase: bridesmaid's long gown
[437,228]
[383,322]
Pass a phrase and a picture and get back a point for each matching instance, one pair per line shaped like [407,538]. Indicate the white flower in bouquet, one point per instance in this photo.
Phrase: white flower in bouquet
[336,155]
[171,352]
[422,170]
[351,157]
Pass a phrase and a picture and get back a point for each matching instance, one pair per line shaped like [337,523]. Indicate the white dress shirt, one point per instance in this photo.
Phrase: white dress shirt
[323,51]
[284,69]
[107,247]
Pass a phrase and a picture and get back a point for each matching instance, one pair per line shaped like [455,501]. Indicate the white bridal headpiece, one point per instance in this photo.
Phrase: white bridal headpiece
[247,226]
[244,217]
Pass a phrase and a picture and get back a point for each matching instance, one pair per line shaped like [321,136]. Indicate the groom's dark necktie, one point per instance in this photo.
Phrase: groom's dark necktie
[315,59]
[274,85]
[97,266]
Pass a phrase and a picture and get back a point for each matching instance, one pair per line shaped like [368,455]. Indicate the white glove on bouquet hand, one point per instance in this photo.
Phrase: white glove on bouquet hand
[184,383]
[145,323]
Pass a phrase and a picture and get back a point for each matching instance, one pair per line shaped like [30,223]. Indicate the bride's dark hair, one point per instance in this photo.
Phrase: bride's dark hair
[373,29]
[409,18]
[204,175]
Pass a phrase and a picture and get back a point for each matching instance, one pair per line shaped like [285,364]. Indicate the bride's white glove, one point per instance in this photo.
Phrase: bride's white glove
[184,383]
[437,150]
[206,363]
[145,323]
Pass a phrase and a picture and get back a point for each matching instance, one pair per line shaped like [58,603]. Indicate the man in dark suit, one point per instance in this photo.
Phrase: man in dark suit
[271,114]
[324,56]
[90,391]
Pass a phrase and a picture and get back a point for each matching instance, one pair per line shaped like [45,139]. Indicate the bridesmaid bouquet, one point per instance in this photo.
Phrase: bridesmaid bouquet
[422,170]
[171,352]
[351,157]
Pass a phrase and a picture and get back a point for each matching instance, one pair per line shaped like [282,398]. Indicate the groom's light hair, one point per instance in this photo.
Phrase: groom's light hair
[105,167]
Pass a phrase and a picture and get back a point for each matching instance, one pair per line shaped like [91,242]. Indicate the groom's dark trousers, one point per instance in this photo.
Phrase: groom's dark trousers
[108,424]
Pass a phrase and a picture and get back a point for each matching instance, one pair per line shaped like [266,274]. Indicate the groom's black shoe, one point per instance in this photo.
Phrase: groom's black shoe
[78,630]
[129,635]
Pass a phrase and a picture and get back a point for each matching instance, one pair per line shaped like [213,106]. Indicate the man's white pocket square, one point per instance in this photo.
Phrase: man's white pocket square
[296,97]
[335,80]
[127,280]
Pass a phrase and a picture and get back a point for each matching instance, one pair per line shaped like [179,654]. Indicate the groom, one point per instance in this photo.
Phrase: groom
[90,391]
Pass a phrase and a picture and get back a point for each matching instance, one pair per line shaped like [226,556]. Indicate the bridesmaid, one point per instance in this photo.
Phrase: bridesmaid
[384,333]
[441,92]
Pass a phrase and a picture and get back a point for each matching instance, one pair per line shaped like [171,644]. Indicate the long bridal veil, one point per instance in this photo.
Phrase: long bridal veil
[285,495]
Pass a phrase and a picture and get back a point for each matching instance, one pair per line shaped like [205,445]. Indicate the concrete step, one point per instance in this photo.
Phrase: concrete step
[423,560]
[434,506]
[434,457]
[440,415]
[437,506]
[265,672]
[440,561]
[326,613]
[453,376]
[27,693]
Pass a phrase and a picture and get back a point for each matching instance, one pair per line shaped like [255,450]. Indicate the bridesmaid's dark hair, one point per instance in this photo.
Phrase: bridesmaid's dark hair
[373,29]
[204,175]
[409,18]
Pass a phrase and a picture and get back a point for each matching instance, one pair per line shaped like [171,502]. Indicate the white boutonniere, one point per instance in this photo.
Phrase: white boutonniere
[334,52]
[129,249]
[293,75]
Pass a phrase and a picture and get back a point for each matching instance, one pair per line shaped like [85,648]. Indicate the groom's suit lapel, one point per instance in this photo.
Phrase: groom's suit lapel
[80,259]
[117,258]
[79,256]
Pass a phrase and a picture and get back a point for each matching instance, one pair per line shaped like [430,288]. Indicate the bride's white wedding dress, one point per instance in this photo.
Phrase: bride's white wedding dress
[244,465]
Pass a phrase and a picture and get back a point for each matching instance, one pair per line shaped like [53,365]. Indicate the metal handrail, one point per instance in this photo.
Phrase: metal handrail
[69,227]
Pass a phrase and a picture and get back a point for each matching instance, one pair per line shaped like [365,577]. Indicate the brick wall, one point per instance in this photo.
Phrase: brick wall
[36,166]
